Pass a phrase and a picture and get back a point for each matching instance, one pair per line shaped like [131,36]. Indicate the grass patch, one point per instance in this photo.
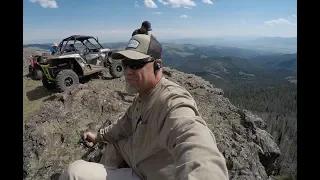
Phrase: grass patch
[284,177]
[33,95]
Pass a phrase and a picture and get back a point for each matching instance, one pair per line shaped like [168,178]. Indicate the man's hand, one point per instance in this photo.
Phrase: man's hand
[90,137]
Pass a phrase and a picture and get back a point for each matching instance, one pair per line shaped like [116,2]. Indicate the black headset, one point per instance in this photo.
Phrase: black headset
[156,66]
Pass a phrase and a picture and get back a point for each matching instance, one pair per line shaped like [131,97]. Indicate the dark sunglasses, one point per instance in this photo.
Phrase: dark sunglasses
[136,64]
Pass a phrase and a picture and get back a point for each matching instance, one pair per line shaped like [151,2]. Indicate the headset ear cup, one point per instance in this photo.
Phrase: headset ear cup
[156,66]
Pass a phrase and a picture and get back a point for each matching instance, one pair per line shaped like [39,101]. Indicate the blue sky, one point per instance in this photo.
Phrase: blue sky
[115,20]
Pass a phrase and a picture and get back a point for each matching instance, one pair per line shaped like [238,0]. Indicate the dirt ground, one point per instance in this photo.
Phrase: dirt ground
[33,95]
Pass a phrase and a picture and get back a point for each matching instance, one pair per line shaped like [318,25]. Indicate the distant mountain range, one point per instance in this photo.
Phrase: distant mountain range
[221,61]
[39,46]
[263,44]
[288,61]
[266,44]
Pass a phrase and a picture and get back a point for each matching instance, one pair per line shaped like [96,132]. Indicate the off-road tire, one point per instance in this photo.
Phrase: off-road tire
[38,74]
[65,79]
[116,69]
[30,70]
[50,85]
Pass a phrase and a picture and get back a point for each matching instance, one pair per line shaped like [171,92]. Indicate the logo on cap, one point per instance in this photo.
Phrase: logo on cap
[133,44]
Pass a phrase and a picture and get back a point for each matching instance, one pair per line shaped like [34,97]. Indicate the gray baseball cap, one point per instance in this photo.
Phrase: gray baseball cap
[140,46]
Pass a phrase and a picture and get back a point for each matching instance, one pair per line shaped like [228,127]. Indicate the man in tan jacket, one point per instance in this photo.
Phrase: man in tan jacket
[161,136]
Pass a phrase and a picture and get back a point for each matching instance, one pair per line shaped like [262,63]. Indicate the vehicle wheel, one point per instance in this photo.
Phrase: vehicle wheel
[38,74]
[47,83]
[30,70]
[116,70]
[65,79]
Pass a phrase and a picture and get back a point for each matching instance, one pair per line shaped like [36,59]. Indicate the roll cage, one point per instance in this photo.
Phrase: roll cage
[90,44]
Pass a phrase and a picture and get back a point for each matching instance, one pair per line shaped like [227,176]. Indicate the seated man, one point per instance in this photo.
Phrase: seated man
[71,48]
[53,49]
[161,136]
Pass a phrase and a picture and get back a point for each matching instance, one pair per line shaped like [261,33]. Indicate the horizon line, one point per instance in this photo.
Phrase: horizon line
[165,39]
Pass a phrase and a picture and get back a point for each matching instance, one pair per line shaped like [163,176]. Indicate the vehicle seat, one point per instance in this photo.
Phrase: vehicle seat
[91,57]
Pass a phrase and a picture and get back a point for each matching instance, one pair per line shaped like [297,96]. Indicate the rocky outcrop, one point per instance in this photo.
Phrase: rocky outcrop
[52,132]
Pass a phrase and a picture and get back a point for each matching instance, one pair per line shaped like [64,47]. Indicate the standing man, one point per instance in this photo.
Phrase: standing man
[162,135]
[145,27]
[53,49]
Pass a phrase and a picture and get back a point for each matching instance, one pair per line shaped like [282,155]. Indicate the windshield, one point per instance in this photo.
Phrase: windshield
[91,44]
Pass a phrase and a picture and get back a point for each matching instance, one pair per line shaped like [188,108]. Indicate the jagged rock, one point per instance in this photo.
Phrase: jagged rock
[269,150]
[252,120]
[52,132]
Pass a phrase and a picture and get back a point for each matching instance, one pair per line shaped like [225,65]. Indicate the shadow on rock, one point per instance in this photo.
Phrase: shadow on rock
[125,97]
[55,176]
[84,80]
[30,77]
[38,93]
[106,78]
[27,75]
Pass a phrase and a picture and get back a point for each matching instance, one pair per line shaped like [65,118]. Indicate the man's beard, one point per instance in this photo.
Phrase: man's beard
[129,89]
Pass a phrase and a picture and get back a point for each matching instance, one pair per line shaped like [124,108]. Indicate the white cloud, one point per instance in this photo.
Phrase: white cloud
[183,16]
[136,4]
[207,1]
[163,2]
[243,22]
[150,4]
[179,3]
[279,21]
[46,3]
[157,13]
[292,17]
[182,3]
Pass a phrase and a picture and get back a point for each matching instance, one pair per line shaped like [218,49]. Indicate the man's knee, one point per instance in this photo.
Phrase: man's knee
[76,167]
[72,171]
[83,170]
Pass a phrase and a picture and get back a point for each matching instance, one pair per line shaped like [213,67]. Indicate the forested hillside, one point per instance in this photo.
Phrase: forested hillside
[265,86]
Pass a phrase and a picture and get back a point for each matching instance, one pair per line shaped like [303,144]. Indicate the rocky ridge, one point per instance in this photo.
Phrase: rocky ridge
[52,132]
